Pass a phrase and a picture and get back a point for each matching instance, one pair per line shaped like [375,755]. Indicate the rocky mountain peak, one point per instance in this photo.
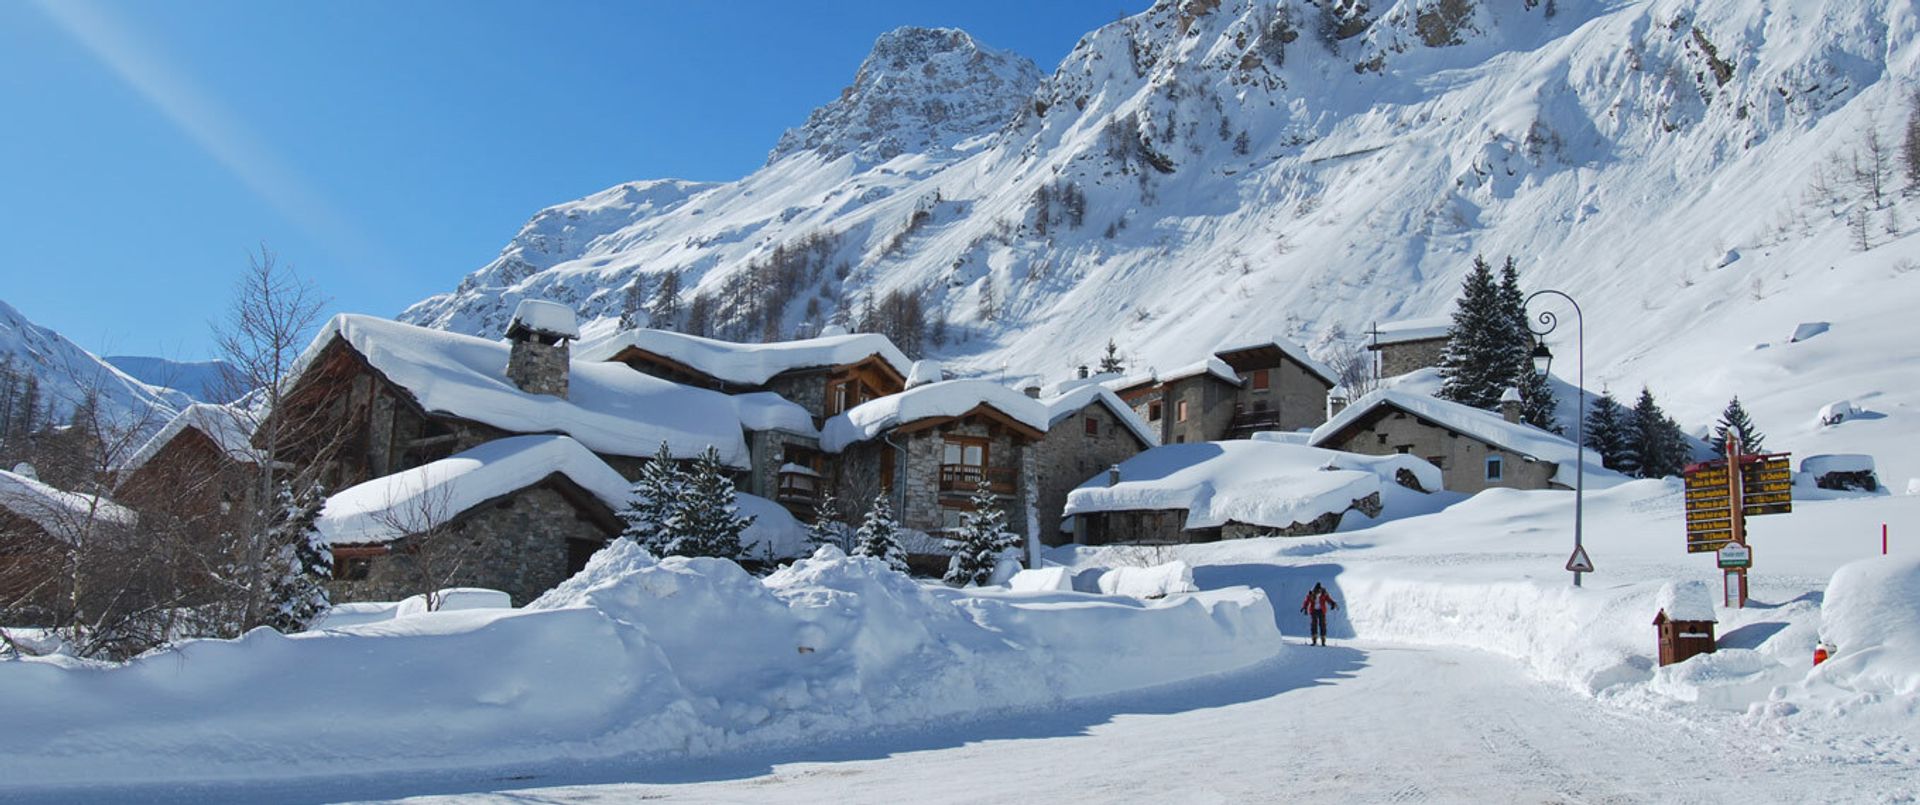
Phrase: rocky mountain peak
[921,90]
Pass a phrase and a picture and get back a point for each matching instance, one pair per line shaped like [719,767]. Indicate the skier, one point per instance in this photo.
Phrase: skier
[1317,604]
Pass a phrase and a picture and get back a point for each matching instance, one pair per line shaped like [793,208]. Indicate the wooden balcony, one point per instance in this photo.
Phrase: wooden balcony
[964,478]
[1245,423]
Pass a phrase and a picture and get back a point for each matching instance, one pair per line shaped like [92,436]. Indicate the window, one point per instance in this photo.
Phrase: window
[837,398]
[966,453]
[1180,411]
[1092,426]
[352,568]
[1494,470]
[1259,380]
[1439,462]
[1153,412]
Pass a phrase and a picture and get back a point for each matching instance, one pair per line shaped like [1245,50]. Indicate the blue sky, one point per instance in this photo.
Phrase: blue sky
[386,149]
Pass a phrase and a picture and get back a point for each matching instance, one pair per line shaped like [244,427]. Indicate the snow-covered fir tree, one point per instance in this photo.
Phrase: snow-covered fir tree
[981,539]
[1536,394]
[1111,362]
[709,510]
[1537,401]
[1477,365]
[827,527]
[1735,420]
[651,516]
[879,535]
[1657,444]
[1606,431]
[304,558]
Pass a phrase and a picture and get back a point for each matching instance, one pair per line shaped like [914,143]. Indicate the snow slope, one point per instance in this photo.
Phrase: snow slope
[632,659]
[66,373]
[1220,171]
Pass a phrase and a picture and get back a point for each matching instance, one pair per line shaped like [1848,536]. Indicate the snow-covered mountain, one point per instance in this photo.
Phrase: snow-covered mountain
[1210,170]
[204,381]
[66,373]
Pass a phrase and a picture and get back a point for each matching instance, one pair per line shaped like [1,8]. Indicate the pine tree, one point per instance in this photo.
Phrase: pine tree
[1537,401]
[632,302]
[980,541]
[1110,363]
[1735,419]
[1476,366]
[1606,433]
[663,311]
[304,558]
[652,516]
[827,527]
[709,510]
[1658,445]
[879,535]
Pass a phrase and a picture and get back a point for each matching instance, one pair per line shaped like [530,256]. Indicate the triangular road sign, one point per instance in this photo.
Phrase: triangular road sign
[1578,562]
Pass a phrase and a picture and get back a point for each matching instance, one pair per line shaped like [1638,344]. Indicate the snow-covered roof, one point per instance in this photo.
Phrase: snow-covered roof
[1211,366]
[545,318]
[765,410]
[609,408]
[1405,330]
[1686,601]
[926,371]
[750,364]
[393,506]
[1066,405]
[1254,482]
[949,398]
[1294,352]
[1486,426]
[227,428]
[61,513]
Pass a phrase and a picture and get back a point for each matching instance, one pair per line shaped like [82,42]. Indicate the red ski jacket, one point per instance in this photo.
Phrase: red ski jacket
[1318,602]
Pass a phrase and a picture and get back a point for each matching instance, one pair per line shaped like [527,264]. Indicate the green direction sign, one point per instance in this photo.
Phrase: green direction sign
[1734,555]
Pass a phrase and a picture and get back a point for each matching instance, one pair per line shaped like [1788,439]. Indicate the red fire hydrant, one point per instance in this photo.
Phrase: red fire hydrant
[1819,653]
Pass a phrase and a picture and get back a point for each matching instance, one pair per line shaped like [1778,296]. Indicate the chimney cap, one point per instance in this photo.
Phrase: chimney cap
[543,318]
[1511,395]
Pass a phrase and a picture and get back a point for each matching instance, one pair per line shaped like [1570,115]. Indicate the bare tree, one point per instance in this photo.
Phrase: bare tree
[1873,169]
[269,322]
[431,556]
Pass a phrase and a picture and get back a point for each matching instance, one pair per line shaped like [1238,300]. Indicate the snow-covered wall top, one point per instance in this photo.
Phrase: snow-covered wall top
[749,364]
[1254,482]
[921,91]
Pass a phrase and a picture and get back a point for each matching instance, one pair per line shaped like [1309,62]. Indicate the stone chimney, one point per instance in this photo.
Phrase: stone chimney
[1336,402]
[1032,391]
[1082,373]
[1113,475]
[1510,405]
[539,362]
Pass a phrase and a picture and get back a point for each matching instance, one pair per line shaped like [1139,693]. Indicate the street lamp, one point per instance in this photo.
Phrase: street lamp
[1542,361]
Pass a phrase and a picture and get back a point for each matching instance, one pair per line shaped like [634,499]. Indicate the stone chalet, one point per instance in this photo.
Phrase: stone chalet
[1474,449]
[1409,345]
[199,470]
[37,523]
[824,376]
[373,399]
[1089,431]
[1237,391]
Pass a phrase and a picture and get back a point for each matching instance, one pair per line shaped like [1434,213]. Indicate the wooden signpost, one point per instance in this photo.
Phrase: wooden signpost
[1721,495]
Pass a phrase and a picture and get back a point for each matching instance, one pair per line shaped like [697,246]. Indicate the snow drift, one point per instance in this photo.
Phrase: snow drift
[632,657]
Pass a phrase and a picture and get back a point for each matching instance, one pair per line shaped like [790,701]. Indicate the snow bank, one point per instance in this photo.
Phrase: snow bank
[1263,483]
[633,657]
[1045,579]
[1158,581]
[1871,615]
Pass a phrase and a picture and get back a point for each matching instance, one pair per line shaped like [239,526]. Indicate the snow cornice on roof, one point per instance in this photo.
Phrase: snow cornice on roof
[750,364]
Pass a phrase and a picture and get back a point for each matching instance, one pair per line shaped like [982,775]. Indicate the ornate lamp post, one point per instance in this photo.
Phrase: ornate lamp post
[1542,361]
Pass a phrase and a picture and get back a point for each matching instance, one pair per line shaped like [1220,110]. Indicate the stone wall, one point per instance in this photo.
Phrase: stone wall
[1068,457]
[1407,356]
[518,545]
[805,389]
[1462,459]
[1209,410]
[1298,397]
